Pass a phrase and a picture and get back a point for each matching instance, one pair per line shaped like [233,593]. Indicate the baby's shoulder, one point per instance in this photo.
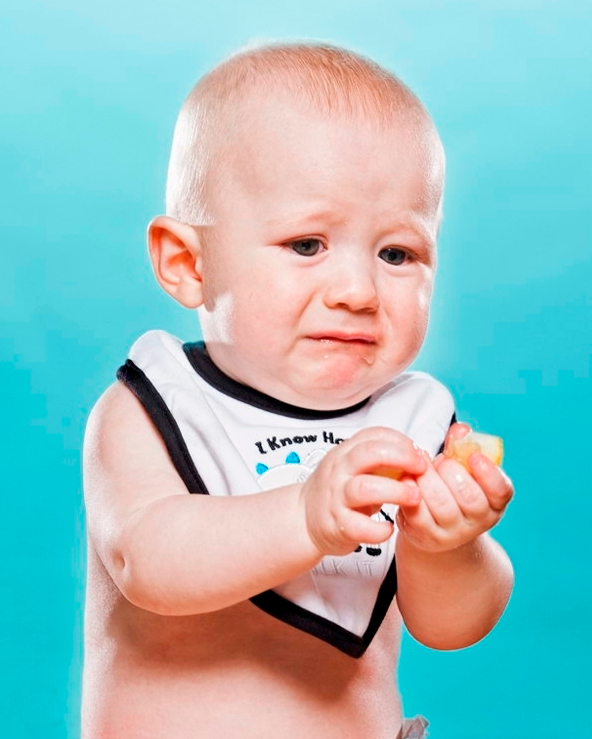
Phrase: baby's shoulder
[116,415]
[119,417]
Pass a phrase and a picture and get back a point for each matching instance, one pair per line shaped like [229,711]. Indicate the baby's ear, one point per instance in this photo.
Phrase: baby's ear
[175,253]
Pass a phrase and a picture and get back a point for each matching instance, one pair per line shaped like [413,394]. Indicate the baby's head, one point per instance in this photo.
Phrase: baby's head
[303,203]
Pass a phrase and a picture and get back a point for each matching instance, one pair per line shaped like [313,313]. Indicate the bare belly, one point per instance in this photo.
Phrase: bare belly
[233,673]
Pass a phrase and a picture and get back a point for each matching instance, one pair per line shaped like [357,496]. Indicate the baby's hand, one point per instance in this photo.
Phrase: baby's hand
[344,491]
[458,503]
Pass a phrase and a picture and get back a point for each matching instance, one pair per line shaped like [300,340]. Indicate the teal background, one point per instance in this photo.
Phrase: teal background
[89,97]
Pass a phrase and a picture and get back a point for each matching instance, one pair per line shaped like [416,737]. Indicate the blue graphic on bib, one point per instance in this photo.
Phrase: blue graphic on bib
[293,470]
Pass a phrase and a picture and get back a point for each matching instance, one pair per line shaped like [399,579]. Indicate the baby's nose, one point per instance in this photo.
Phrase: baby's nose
[353,286]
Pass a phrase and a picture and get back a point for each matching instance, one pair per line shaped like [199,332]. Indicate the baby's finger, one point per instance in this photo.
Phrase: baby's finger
[469,496]
[372,491]
[385,452]
[458,430]
[356,527]
[418,523]
[494,482]
[438,498]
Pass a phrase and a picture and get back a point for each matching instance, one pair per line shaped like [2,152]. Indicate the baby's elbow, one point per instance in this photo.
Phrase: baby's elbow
[138,585]
[448,637]
[145,591]
[145,585]
[130,582]
[447,642]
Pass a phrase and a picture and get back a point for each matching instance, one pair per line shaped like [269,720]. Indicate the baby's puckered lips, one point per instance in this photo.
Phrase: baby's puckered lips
[343,337]
[341,346]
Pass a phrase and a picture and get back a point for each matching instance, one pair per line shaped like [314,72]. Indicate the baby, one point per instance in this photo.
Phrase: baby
[267,507]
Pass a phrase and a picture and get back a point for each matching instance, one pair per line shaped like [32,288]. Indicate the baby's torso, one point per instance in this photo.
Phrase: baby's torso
[233,673]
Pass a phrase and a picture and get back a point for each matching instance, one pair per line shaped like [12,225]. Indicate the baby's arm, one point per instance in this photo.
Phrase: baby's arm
[454,580]
[175,553]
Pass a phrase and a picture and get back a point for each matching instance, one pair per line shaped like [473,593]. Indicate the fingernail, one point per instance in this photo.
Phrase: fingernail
[460,481]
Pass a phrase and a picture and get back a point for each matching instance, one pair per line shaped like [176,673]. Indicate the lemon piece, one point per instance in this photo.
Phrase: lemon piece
[391,472]
[461,449]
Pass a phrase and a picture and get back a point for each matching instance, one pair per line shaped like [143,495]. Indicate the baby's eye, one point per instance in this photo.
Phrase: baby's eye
[306,247]
[391,255]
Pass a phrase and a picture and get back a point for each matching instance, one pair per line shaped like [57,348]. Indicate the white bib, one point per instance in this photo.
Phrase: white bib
[228,439]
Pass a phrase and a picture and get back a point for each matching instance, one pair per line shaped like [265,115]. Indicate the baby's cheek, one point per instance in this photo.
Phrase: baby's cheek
[424,297]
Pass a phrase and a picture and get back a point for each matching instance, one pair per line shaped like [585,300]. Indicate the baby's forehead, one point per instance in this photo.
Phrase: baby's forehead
[305,141]
[252,88]
[269,120]
[286,152]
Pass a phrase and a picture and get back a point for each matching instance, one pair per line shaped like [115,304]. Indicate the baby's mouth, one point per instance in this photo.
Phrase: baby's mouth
[343,338]
[360,345]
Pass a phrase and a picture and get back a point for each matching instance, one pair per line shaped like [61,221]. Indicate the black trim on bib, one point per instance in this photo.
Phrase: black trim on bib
[200,360]
[452,420]
[135,379]
[344,640]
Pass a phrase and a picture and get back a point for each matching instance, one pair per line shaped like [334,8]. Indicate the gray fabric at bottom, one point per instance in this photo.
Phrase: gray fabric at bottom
[414,728]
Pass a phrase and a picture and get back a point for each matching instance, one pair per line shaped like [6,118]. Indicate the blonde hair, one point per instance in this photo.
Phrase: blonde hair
[327,78]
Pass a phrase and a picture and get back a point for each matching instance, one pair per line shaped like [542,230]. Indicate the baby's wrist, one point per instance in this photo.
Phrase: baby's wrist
[310,543]
[451,550]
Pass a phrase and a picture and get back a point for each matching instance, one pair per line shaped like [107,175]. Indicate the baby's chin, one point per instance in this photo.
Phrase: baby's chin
[329,381]
[330,393]
[335,375]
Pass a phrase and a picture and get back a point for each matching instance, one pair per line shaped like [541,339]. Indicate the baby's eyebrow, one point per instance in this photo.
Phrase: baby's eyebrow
[301,219]
[411,224]
[294,219]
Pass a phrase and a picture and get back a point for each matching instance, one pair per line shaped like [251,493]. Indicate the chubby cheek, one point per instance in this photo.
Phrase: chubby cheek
[424,298]
[232,298]
[250,318]
[412,321]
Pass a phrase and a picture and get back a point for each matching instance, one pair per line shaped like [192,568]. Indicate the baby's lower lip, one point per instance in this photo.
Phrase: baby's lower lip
[345,339]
